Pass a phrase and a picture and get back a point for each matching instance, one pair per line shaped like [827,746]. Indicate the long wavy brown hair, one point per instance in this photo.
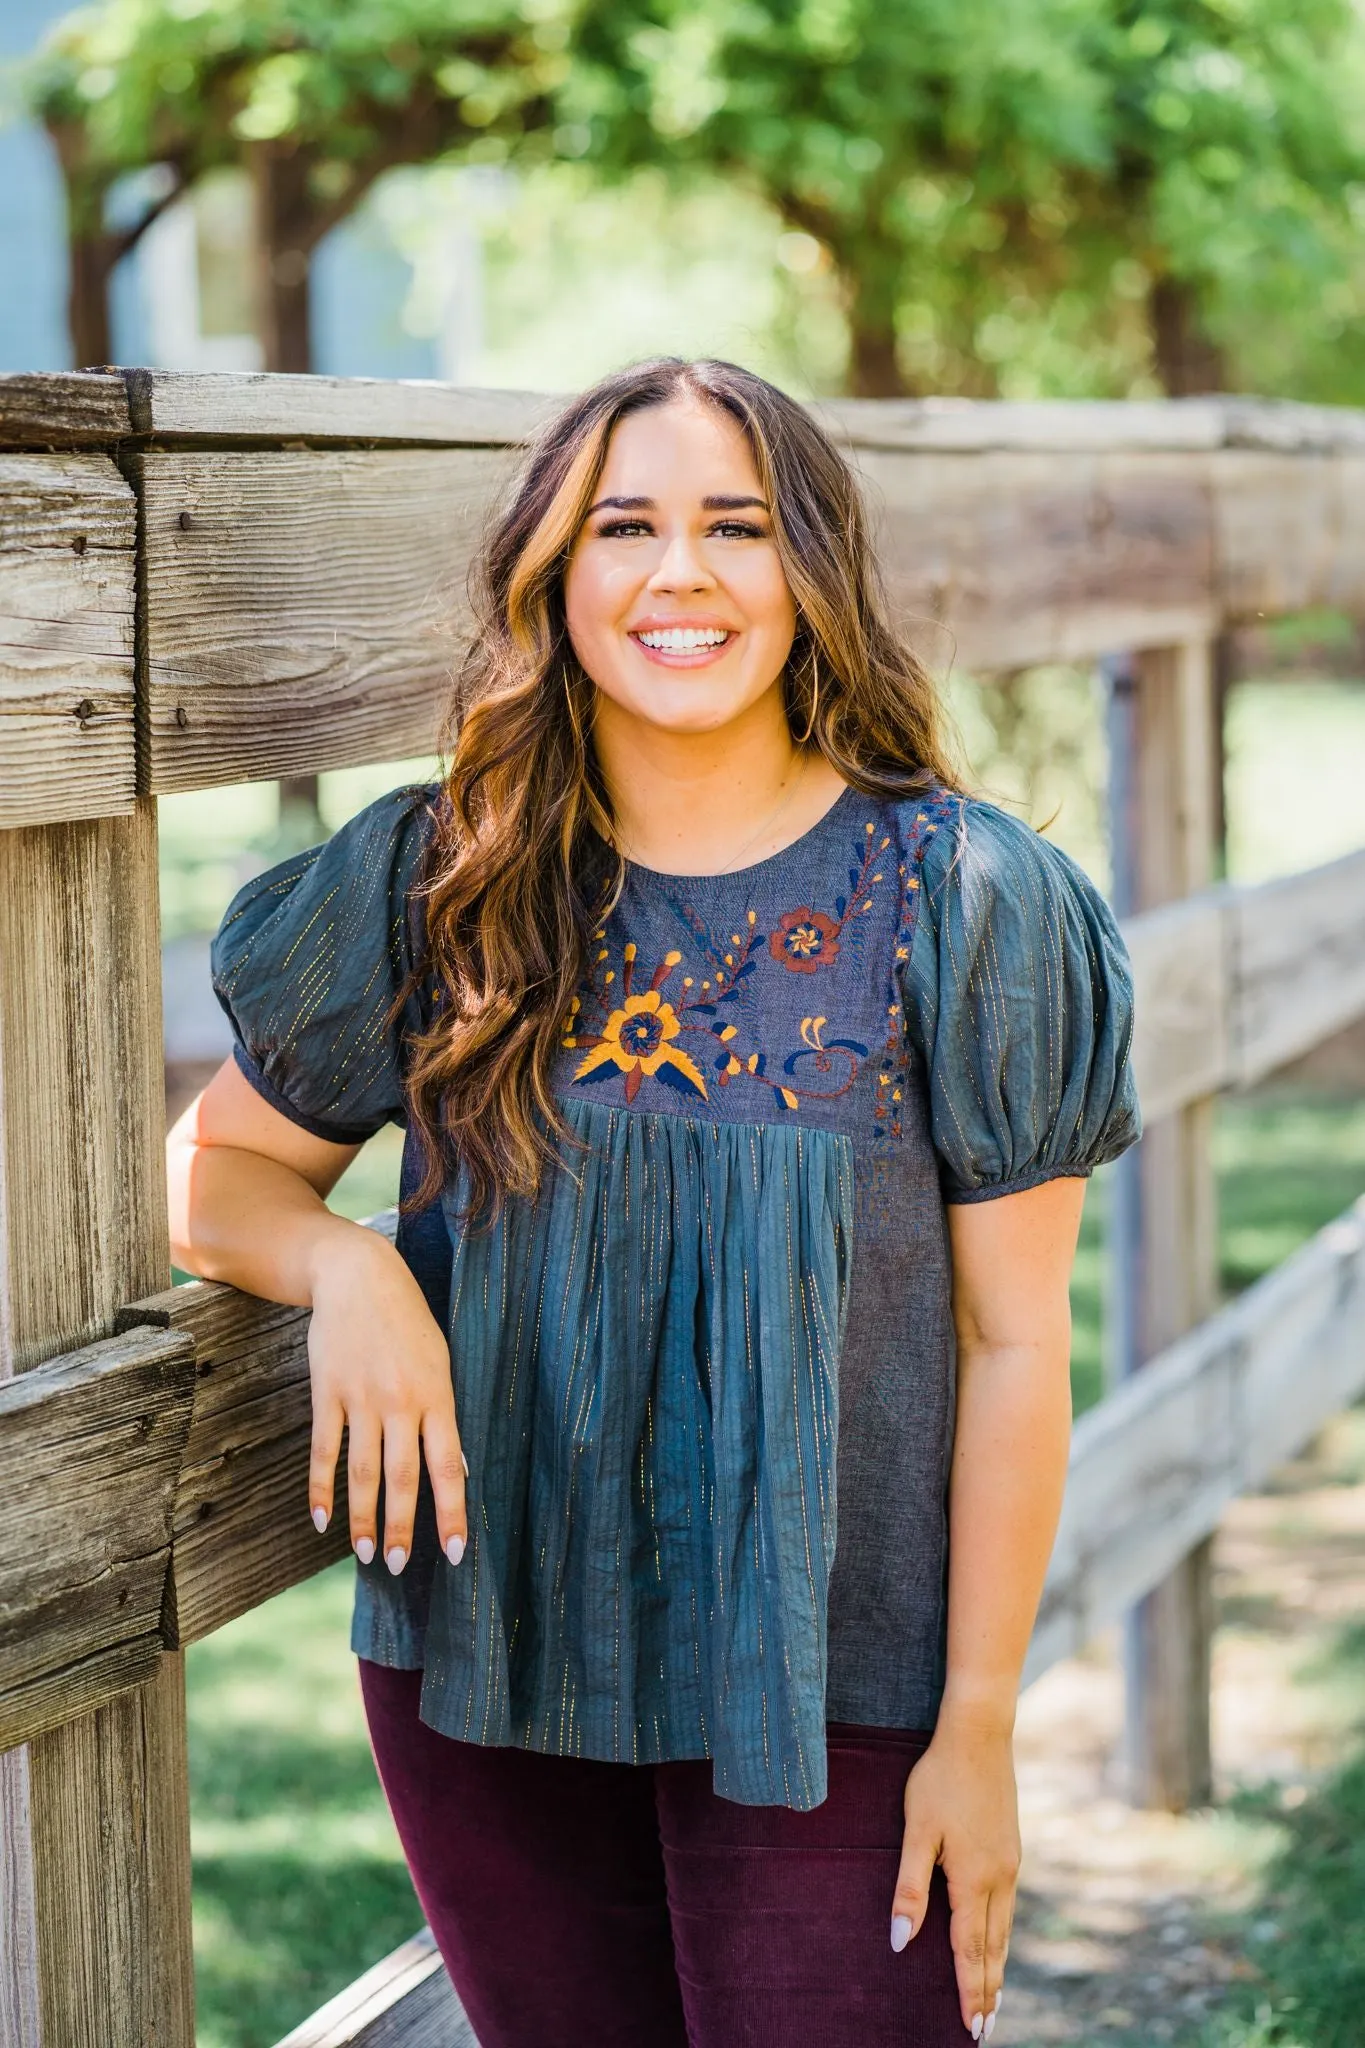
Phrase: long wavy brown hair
[521,866]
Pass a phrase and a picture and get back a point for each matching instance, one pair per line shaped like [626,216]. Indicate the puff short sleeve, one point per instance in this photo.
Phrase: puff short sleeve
[308,961]
[1019,997]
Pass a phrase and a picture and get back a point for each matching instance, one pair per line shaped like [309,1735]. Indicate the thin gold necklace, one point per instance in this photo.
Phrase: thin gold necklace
[769,821]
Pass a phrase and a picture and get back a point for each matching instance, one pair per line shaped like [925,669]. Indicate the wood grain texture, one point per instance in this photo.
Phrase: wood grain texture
[1182,986]
[405,2001]
[1289,529]
[240,1520]
[1165,1235]
[62,409]
[91,1447]
[20,2020]
[67,534]
[1023,557]
[189,405]
[83,1223]
[240,1524]
[1155,1463]
[1236,982]
[94,1820]
[113,1789]
[309,614]
[1298,960]
[221,407]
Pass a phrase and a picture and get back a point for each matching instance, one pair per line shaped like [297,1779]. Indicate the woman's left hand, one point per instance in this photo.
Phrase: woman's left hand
[961,1810]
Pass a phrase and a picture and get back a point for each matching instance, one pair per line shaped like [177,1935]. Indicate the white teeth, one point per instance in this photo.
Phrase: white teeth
[684,639]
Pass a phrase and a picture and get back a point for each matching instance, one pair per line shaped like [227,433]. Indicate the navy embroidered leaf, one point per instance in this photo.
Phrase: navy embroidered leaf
[602,1073]
[853,874]
[839,905]
[672,1077]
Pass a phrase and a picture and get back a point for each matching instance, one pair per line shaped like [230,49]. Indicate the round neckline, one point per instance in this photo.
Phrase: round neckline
[846,796]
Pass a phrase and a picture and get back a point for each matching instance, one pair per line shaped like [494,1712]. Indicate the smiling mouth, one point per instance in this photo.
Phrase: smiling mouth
[683,642]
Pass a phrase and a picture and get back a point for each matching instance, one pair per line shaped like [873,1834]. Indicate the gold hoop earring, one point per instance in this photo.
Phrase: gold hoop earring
[814,698]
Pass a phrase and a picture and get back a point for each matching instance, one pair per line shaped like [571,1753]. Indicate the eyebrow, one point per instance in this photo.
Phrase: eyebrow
[712,504]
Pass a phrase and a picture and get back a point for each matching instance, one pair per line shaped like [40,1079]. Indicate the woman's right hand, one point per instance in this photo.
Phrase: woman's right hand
[379,1365]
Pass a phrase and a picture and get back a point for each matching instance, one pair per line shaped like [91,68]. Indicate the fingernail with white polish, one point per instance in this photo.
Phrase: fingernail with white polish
[455,1548]
[319,1519]
[998,1996]
[977,2024]
[364,1549]
[989,2027]
[396,1558]
[902,1927]
[465,1462]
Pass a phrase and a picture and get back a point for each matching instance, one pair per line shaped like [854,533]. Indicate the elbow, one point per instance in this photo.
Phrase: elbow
[180,1150]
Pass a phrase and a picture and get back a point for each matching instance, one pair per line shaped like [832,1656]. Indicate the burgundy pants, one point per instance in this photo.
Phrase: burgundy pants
[596,1905]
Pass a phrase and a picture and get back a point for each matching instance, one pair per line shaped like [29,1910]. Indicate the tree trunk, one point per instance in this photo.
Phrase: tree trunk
[88,300]
[1189,364]
[90,252]
[872,278]
[284,213]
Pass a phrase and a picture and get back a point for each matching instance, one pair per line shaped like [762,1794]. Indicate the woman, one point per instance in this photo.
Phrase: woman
[751,1074]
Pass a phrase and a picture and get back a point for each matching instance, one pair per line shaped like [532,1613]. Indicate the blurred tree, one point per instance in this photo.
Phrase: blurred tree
[925,145]
[1237,179]
[977,170]
[1089,196]
[316,99]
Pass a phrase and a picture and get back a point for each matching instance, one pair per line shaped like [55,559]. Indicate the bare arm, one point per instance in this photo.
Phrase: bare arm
[1012,1261]
[247,1205]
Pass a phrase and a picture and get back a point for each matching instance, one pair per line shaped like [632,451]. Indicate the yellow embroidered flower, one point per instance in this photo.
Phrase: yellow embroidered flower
[637,1040]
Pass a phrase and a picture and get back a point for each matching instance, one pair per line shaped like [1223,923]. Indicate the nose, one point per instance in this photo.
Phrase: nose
[681,566]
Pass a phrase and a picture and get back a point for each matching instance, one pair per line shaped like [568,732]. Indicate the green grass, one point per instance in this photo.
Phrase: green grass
[1305,1934]
[299,1881]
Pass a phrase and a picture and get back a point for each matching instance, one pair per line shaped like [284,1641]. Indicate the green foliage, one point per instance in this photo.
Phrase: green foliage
[195,83]
[1012,196]
[1238,168]
[926,146]
[1001,187]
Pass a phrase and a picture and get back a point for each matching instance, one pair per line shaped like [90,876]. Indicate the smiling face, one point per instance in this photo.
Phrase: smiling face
[677,603]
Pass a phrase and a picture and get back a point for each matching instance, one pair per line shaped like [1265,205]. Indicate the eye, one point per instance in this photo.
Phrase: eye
[622,529]
[738,529]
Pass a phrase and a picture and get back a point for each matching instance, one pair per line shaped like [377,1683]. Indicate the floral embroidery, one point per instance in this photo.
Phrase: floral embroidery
[893,1069]
[804,940]
[692,1030]
[637,1039]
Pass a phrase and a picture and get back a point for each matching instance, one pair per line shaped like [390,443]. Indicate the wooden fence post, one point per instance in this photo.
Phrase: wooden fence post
[94,1826]
[1164,825]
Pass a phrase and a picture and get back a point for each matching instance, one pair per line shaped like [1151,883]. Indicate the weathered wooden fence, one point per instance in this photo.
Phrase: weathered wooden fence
[210,579]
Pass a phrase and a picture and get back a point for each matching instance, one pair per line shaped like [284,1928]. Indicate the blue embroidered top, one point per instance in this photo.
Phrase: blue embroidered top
[705,1379]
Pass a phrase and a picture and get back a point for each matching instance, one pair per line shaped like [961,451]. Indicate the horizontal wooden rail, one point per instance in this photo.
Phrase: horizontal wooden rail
[1154,1465]
[92,1447]
[405,2001]
[1235,982]
[305,542]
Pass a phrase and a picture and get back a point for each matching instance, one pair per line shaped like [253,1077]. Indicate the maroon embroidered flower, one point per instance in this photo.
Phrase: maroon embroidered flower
[804,940]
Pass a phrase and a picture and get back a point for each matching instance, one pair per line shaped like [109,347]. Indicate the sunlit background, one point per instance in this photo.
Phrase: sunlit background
[672,204]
